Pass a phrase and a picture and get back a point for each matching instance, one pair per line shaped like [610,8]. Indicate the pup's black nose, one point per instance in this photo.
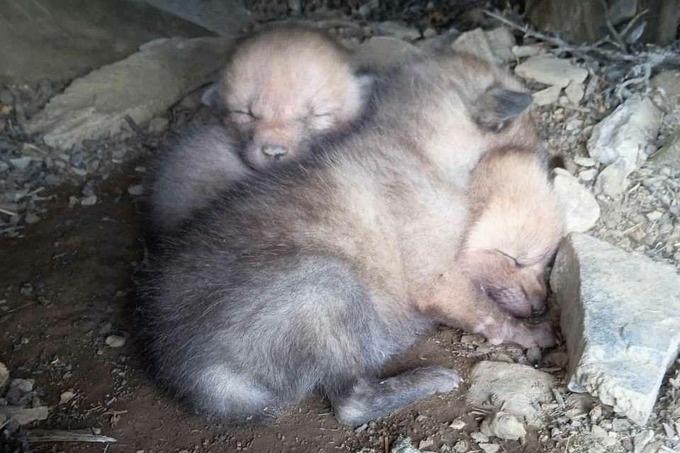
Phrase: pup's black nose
[275,152]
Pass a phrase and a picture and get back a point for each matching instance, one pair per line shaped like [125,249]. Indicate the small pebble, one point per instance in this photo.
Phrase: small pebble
[457,424]
[66,396]
[136,189]
[115,341]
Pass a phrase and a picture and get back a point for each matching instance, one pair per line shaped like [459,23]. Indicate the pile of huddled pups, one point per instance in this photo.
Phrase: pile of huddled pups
[334,219]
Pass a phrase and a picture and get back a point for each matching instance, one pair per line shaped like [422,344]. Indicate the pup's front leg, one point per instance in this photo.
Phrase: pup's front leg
[455,300]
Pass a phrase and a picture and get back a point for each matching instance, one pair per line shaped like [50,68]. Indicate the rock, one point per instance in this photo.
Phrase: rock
[457,424]
[479,437]
[574,92]
[461,447]
[404,446]
[620,315]
[22,385]
[668,82]
[504,426]
[56,40]
[489,448]
[382,52]
[397,30]
[613,180]
[115,341]
[628,133]
[580,209]
[669,154]
[584,161]
[528,51]
[141,86]
[136,190]
[24,416]
[472,339]
[551,71]
[547,96]
[21,163]
[4,377]
[89,201]
[66,396]
[224,17]
[426,443]
[520,389]
[494,45]
[587,175]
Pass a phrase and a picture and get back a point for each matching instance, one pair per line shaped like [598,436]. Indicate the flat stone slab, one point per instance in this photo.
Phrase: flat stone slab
[519,388]
[620,315]
[225,17]
[551,71]
[140,86]
[60,40]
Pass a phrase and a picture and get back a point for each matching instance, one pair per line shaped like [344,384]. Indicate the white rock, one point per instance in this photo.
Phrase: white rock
[382,52]
[547,96]
[404,446]
[21,163]
[520,388]
[89,201]
[620,315]
[580,209]
[141,86]
[551,71]
[504,426]
[528,51]
[457,424]
[136,189]
[115,341]
[628,133]
[494,45]
[587,175]
[584,161]
[613,180]
[489,448]
[4,376]
[574,92]
[66,396]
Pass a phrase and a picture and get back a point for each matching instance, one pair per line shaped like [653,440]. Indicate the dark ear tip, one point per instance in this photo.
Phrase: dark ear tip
[510,101]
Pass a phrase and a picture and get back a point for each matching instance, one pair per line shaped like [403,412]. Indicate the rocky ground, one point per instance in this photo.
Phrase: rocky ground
[71,251]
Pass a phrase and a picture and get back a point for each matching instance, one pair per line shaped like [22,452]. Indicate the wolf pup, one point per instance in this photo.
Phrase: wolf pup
[282,88]
[515,228]
[311,276]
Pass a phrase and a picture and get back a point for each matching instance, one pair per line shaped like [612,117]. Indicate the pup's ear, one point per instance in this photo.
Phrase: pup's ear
[211,97]
[498,107]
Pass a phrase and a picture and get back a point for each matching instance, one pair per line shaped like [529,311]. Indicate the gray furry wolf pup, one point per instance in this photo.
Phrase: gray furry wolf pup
[282,88]
[313,274]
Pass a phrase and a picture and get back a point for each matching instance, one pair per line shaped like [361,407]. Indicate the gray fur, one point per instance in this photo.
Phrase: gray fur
[312,275]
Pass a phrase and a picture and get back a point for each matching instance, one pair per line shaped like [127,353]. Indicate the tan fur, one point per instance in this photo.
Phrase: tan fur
[516,225]
[285,85]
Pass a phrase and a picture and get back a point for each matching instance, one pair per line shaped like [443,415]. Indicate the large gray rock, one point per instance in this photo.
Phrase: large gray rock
[628,133]
[141,86]
[623,141]
[61,40]
[519,388]
[551,71]
[225,17]
[669,154]
[580,209]
[620,315]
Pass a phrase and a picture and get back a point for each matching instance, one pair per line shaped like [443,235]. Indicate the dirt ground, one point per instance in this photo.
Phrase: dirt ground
[69,283]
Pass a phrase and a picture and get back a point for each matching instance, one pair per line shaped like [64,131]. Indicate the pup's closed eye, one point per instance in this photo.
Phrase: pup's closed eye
[510,257]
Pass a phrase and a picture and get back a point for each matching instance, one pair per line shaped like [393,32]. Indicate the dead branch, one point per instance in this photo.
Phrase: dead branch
[38,436]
